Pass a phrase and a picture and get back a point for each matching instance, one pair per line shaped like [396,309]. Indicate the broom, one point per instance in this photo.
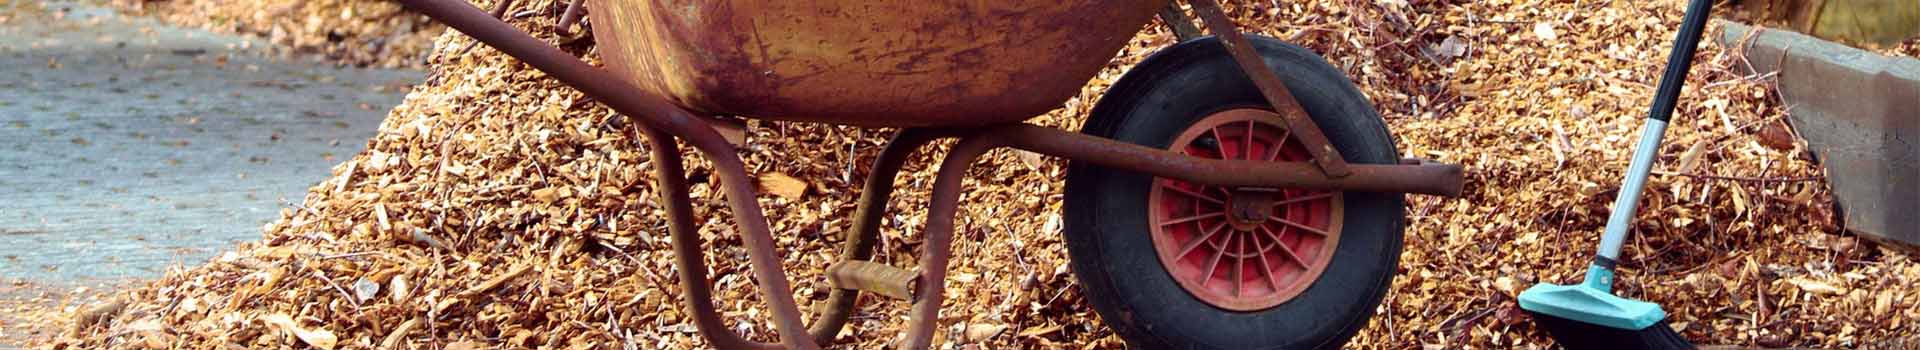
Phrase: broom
[1588,315]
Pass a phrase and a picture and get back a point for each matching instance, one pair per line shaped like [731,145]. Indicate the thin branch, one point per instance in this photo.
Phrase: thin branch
[1745,178]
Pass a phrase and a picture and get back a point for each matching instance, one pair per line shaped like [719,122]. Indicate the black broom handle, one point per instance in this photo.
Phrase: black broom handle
[1648,150]
[1691,29]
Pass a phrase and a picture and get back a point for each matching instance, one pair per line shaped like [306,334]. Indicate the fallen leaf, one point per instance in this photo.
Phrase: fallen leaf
[1453,47]
[1033,161]
[979,332]
[1507,285]
[1883,304]
[1777,136]
[150,324]
[783,185]
[546,195]
[398,334]
[466,345]
[1690,159]
[1816,287]
[1544,31]
[316,337]
[1034,332]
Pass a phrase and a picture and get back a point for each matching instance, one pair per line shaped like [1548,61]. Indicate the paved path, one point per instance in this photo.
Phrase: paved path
[127,147]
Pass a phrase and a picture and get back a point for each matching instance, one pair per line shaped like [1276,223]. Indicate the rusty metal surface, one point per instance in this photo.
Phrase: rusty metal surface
[1434,179]
[867,63]
[663,122]
[1178,22]
[881,279]
[569,18]
[858,242]
[1424,178]
[690,259]
[928,290]
[1860,113]
[1271,87]
[670,182]
[938,245]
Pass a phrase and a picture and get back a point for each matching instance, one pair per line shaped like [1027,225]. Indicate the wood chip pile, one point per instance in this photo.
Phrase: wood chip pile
[500,209]
[352,32]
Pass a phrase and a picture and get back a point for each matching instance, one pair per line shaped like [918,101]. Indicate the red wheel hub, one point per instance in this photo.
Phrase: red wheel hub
[1243,249]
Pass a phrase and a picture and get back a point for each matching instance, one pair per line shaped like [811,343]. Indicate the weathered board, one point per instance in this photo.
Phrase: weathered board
[1860,114]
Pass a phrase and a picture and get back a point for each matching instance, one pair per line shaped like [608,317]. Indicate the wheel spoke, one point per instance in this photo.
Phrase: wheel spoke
[1218,253]
[1266,269]
[1239,263]
[1273,154]
[1222,189]
[1322,233]
[1221,143]
[1284,228]
[1191,218]
[1195,243]
[1246,149]
[1296,200]
[1284,250]
[1191,193]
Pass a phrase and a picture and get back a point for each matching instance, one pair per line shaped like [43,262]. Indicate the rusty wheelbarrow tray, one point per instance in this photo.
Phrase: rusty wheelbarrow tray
[868,63]
[674,65]
[1860,114]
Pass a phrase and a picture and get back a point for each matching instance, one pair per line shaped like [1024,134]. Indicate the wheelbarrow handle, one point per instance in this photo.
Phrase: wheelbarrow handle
[652,110]
[658,115]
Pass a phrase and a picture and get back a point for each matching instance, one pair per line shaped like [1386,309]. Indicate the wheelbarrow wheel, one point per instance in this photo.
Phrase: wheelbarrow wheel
[1175,265]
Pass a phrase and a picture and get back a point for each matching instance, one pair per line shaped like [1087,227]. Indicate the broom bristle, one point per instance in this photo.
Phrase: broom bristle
[1576,335]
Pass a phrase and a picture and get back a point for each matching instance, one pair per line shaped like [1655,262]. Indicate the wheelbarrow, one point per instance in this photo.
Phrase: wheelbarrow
[1231,191]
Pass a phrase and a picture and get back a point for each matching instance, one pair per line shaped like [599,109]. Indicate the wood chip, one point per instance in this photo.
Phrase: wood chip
[490,284]
[317,337]
[783,185]
[1817,287]
[399,334]
[491,170]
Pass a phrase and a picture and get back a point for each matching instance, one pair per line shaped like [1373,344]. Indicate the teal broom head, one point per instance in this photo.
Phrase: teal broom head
[1587,316]
[1585,303]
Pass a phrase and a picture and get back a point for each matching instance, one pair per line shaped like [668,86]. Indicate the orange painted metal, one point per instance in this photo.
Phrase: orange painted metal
[1243,248]
[866,63]
[1272,88]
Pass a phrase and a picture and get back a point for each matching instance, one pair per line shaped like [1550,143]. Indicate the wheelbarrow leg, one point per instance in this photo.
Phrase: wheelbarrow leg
[939,240]
[758,238]
[840,303]
[569,18]
[500,9]
[670,181]
[663,119]
[859,241]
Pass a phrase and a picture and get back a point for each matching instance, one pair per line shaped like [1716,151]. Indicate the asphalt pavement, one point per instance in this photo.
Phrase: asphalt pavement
[127,146]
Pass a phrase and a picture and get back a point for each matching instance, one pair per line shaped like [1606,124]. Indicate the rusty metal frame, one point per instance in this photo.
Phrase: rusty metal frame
[567,18]
[1178,22]
[663,123]
[1324,155]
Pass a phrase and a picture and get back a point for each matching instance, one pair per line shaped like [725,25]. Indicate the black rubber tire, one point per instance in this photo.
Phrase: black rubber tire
[1106,212]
